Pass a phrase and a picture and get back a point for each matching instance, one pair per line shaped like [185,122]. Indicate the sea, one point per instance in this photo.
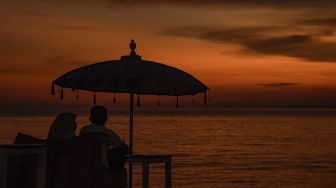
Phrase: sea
[219,147]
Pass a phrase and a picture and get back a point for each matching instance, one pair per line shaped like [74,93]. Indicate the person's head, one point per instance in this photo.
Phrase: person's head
[63,125]
[98,115]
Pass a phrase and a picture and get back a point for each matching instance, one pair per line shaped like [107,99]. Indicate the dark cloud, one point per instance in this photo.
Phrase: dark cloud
[247,3]
[318,21]
[261,40]
[301,46]
[228,3]
[279,85]
[60,61]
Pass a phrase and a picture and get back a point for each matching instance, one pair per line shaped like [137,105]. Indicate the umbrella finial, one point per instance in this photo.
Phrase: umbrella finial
[132,46]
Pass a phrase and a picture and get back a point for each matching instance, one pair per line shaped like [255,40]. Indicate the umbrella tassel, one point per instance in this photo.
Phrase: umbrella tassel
[62,94]
[114,98]
[52,89]
[94,98]
[138,101]
[158,102]
[177,102]
[205,97]
[193,101]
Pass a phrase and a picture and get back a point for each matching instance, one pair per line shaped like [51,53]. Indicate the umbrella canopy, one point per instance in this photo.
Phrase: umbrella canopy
[130,74]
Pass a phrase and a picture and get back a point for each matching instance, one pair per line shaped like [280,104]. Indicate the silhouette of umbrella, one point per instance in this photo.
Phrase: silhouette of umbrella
[131,75]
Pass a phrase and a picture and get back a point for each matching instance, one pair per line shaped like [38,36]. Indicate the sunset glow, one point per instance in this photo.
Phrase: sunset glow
[268,53]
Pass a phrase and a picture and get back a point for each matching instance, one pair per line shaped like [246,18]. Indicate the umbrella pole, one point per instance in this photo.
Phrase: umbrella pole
[130,169]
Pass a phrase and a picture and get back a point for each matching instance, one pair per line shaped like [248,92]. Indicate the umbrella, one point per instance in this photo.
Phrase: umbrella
[130,74]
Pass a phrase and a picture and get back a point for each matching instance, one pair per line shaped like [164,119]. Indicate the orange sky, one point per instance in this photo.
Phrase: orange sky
[249,54]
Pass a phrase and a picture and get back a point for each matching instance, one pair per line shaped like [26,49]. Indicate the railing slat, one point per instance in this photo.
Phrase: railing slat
[3,167]
[145,175]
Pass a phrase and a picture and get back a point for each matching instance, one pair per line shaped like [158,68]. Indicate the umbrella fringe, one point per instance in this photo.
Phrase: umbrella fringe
[94,98]
[138,101]
[114,98]
[205,97]
[77,95]
[177,102]
[158,102]
[52,89]
[193,100]
[62,94]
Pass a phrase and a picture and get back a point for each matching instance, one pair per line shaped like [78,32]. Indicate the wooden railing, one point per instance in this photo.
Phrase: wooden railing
[40,152]
[146,160]
[23,149]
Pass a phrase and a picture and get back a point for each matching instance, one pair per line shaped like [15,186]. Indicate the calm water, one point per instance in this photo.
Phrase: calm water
[223,148]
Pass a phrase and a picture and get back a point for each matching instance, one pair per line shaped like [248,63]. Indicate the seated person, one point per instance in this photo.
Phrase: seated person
[78,164]
[63,127]
[22,169]
[71,161]
[98,118]
[76,161]
[113,149]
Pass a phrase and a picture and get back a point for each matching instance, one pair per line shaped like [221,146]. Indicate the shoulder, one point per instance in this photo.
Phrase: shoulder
[86,128]
[110,132]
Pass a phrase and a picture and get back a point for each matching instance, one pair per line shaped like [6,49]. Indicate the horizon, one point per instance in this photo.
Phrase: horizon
[184,111]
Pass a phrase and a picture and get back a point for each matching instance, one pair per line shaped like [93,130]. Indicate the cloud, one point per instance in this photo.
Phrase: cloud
[319,21]
[249,3]
[265,40]
[300,46]
[46,67]
[279,85]
[297,4]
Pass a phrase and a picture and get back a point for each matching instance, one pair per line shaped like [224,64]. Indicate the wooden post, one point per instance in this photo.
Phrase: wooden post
[168,174]
[3,167]
[41,167]
[130,167]
[145,174]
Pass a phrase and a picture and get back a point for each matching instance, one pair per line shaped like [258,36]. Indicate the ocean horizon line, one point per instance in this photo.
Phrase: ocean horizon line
[175,111]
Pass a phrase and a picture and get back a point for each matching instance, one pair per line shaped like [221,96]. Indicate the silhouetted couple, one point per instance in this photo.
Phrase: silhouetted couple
[64,127]
[95,159]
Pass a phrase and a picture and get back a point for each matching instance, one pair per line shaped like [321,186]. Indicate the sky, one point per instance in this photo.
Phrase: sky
[249,53]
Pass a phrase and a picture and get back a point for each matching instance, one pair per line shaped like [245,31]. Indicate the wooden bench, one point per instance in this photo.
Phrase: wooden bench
[39,150]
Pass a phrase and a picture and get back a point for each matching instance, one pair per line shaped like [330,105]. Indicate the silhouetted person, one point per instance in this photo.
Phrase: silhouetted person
[76,163]
[98,117]
[63,127]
